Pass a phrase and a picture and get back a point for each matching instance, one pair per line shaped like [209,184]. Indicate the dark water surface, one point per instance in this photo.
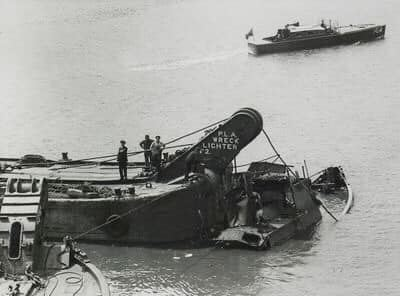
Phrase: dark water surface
[78,76]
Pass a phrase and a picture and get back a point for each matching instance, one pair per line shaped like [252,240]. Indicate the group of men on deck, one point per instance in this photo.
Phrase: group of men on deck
[152,150]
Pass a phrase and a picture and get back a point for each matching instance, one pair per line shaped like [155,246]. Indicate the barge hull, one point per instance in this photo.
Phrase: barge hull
[181,214]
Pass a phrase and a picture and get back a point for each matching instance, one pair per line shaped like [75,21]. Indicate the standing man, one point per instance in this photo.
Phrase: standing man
[254,209]
[122,158]
[192,162]
[156,149]
[146,144]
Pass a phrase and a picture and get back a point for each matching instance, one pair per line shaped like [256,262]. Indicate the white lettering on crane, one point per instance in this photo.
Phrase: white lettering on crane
[224,140]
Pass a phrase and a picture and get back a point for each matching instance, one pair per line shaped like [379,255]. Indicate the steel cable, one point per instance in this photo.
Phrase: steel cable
[291,171]
[132,153]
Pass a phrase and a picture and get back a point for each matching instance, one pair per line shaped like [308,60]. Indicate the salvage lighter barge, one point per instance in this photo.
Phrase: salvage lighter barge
[295,37]
[268,198]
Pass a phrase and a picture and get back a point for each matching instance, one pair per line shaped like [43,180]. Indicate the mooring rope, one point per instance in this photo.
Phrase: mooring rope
[76,279]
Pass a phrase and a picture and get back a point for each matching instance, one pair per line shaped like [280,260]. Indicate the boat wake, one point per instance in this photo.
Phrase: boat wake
[184,63]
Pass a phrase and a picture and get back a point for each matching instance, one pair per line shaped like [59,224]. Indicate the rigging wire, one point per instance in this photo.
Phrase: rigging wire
[112,156]
[291,171]
[196,131]
[131,153]
[265,159]
[317,173]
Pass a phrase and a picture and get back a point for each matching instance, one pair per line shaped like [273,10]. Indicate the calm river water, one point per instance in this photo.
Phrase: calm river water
[78,76]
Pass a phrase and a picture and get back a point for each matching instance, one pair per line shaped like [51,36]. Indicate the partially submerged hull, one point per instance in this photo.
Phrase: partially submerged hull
[288,208]
[346,35]
[276,232]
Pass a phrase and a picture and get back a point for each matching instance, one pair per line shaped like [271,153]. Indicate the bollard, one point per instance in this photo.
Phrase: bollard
[118,192]
[131,190]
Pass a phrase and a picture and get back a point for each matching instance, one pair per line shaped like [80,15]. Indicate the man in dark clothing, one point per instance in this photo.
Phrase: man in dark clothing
[146,144]
[192,162]
[123,160]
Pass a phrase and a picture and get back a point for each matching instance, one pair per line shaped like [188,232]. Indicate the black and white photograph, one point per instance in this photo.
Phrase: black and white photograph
[198,147]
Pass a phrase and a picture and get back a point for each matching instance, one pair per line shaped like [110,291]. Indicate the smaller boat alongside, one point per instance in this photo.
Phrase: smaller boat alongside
[31,265]
[295,37]
[332,182]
